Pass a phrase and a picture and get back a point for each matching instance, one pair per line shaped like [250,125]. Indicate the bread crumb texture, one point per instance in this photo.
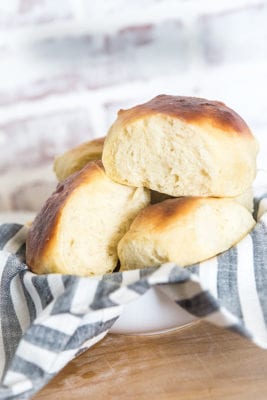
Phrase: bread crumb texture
[79,227]
[181,146]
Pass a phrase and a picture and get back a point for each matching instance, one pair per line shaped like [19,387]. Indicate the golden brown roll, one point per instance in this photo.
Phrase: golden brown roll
[76,158]
[80,225]
[184,231]
[181,146]
[245,199]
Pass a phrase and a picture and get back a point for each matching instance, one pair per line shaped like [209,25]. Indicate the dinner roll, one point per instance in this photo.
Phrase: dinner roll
[184,231]
[78,229]
[76,158]
[246,198]
[181,146]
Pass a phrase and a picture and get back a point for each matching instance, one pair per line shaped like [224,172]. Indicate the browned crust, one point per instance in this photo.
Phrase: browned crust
[91,149]
[163,215]
[99,141]
[158,216]
[190,110]
[43,228]
[95,146]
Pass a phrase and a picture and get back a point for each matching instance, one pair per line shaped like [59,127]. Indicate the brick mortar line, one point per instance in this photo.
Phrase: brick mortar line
[93,100]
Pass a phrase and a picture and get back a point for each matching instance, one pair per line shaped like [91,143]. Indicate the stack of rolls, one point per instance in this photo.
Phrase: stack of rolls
[174,185]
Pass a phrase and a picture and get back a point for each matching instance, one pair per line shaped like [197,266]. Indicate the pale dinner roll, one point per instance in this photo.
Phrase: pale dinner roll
[76,158]
[185,231]
[181,146]
[79,227]
[246,199]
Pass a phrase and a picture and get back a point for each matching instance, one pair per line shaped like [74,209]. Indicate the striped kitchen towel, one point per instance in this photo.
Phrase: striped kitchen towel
[47,320]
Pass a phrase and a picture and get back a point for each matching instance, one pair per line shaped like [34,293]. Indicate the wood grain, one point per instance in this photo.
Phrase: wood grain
[199,362]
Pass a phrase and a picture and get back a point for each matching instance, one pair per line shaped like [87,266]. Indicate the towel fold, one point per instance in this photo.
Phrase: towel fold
[47,320]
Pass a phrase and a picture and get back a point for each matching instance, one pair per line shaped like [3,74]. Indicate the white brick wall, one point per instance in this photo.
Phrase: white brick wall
[18,13]
[36,140]
[234,36]
[68,66]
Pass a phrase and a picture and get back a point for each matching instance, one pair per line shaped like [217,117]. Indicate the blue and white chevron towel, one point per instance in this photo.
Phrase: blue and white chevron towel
[47,320]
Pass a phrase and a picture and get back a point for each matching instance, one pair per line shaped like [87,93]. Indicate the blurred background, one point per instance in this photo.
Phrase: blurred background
[67,66]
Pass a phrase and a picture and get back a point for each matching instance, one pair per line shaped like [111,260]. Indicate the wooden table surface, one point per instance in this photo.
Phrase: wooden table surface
[198,362]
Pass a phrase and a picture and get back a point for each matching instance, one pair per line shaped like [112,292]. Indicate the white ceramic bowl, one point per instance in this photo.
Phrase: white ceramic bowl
[152,313]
